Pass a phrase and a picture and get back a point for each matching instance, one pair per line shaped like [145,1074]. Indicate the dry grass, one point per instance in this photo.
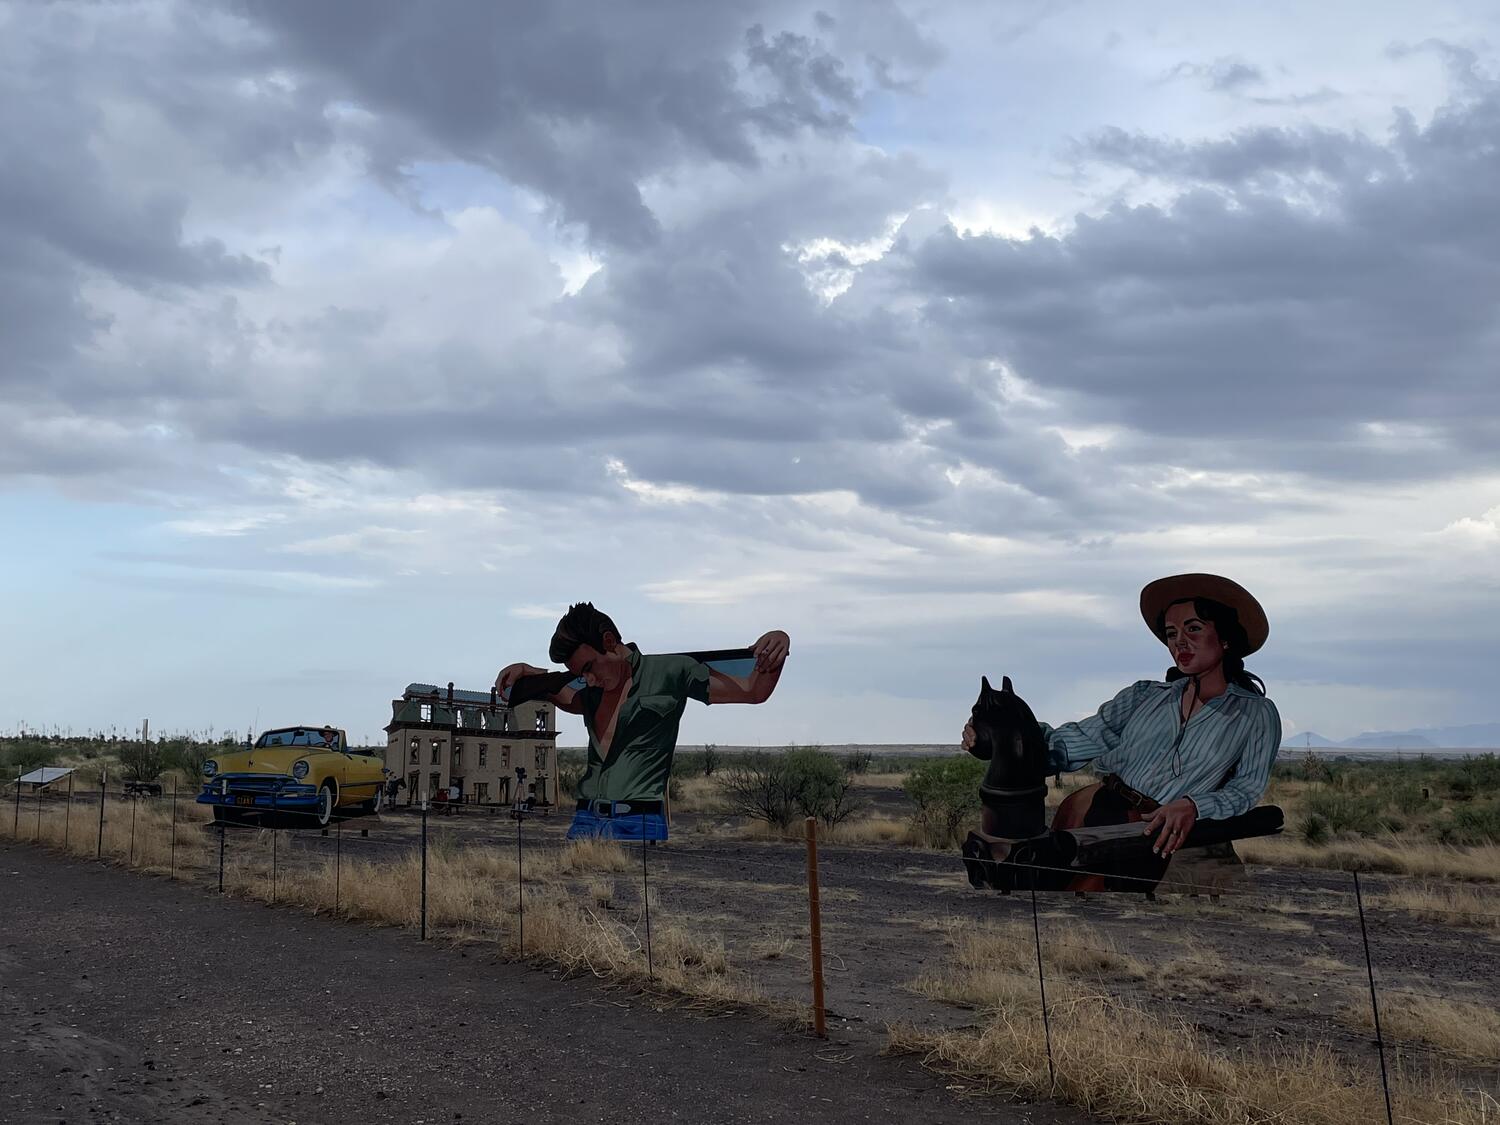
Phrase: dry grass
[1398,857]
[1120,1062]
[878,780]
[871,830]
[472,895]
[698,795]
[147,843]
[991,966]
[1470,1031]
[1450,905]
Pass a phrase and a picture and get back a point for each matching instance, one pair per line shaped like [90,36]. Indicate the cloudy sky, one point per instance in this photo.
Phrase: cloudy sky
[345,344]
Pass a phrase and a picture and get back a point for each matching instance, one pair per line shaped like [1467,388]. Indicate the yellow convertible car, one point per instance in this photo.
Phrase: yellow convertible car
[306,772]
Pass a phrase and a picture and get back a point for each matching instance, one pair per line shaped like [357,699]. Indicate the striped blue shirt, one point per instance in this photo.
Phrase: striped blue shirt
[1223,761]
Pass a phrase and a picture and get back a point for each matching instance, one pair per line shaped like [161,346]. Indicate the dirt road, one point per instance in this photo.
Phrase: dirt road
[125,998]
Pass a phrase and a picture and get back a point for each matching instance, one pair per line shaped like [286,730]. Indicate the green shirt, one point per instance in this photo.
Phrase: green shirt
[638,765]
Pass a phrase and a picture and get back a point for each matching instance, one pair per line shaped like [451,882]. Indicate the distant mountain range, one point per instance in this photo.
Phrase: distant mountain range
[1477,736]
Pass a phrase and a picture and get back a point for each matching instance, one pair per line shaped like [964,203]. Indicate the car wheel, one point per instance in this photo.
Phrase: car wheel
[326,802]
[375,804]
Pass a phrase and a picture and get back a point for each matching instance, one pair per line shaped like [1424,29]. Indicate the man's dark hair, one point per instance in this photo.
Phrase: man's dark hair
[581,625]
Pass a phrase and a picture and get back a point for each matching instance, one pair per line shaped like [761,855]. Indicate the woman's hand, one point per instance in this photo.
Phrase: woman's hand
[771,651]
[513,672]
[1173,821]
[967,741]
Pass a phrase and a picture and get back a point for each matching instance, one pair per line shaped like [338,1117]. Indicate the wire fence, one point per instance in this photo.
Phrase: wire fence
[358,866]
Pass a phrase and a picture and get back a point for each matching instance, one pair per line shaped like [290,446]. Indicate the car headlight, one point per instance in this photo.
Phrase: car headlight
[299,770]
[210,768]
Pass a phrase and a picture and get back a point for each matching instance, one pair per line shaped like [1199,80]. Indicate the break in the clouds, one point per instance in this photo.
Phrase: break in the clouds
[346,343]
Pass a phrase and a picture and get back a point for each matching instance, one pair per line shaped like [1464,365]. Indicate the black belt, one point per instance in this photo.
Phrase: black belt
[1132,797]
[616,809]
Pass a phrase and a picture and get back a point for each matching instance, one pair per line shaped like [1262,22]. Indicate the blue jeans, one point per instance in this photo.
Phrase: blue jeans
[631,826]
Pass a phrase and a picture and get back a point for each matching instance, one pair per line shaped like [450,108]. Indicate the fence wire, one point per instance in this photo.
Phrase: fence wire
[395,833]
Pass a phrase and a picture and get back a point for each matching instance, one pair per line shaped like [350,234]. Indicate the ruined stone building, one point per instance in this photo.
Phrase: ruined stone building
[470,740]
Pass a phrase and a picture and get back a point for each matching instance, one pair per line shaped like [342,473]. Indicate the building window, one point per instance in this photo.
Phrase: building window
[505,757]
[505,720]
[484,753]
[482,791]
[541,757]
[437,749]
[426,712]
[458,754]
[435,782]
[416,747]
[484,721]
[541,720]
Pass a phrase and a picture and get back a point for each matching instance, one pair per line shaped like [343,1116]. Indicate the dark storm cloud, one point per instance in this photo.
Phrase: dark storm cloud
[580,101]
[1305,299]
[1314,285]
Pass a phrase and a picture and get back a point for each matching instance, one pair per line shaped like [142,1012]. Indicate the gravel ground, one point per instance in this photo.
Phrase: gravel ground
[127,998]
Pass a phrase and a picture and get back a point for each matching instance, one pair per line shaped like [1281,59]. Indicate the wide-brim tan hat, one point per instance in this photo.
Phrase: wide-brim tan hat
[1158,595]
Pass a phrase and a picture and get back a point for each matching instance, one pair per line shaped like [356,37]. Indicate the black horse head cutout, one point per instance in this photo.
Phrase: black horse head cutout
[1006,735]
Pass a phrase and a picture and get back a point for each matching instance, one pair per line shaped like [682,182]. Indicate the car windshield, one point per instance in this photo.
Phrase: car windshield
[300,736]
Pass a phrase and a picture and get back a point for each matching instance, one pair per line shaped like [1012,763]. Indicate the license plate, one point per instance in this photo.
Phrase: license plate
[245,801]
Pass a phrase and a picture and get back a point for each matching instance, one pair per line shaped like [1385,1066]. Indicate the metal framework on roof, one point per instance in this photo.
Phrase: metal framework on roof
[428,692]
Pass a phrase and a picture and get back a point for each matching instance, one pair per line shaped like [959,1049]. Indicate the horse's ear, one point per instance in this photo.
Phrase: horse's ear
[984,683]
[1005,685]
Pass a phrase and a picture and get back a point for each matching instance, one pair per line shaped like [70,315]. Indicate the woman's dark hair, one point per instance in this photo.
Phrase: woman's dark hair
[581,625]
[1227,623]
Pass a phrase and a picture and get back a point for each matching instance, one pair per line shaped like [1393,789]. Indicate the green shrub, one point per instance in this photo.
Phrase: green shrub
[28,755]
[946,793]
[1314,829]
[1478,823]
[858,761]
[777,788]
[1345,812]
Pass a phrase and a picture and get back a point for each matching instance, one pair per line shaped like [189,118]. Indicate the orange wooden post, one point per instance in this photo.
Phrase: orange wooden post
[816,929]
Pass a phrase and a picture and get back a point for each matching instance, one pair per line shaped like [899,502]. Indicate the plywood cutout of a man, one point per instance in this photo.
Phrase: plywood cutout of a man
[632,705]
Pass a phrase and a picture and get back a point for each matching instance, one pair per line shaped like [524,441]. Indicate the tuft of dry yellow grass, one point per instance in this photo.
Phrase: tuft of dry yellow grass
[147,844]
[1398,857]
[1119,1061]
[1467,1030]
[992,966]
[1453,905]
[1125,1064]
[698,795]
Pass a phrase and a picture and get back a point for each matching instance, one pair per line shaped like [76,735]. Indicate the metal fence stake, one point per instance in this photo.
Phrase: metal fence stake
[36,836]
[222,826]
[15,824]
[103,776]
[1385,1082]
[68,812]
[815,929]
[130,856]
[424,870]
[520,892]
[338,862]
[273,847]
[1041,983]
[172,862]
[646,900]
